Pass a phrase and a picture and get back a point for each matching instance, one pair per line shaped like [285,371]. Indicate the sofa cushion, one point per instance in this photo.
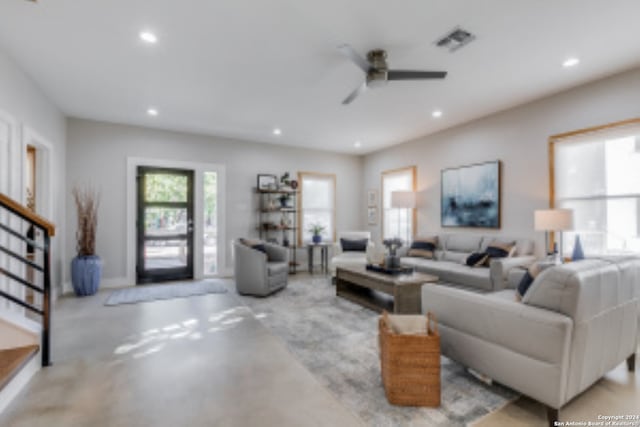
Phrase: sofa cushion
[423,247]
[522,246]
[463,243]
[578,289]
[456,257]
[354,245]
[452,272]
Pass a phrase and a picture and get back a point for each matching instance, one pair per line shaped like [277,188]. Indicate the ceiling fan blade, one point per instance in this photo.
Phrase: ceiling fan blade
[355,57]
[353,95]
[415,75]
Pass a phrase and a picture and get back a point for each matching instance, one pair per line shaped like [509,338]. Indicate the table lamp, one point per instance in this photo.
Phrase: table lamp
[549,220]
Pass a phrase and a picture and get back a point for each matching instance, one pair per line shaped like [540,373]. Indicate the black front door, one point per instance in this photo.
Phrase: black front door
[165,224]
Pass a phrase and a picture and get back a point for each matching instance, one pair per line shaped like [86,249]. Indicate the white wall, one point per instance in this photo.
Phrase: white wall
[518,137]
[97,153]
[33,113]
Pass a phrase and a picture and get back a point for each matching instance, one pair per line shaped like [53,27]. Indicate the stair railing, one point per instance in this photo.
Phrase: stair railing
[7,232]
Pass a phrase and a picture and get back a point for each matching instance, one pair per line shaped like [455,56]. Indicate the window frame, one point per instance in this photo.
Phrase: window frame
[567,137]
[301,176]
[414,182]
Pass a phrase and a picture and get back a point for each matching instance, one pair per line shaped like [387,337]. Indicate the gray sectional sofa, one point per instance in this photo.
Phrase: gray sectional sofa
[453,249]
[576,322]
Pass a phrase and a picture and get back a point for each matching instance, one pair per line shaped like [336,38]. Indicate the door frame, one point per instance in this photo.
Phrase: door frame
[198,215]
[186,272]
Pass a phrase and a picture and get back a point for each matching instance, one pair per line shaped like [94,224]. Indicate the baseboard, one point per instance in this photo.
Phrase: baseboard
[17,383]
[109,283]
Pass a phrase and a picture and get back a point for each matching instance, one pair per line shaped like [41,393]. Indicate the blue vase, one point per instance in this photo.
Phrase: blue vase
[578,253]
[316,238]
[85,274]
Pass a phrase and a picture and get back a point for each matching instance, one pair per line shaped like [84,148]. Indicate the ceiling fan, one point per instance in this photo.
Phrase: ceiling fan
[378,73]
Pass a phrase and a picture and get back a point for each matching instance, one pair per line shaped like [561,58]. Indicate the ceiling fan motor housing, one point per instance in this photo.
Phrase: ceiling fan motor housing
[378,59]
[377,75]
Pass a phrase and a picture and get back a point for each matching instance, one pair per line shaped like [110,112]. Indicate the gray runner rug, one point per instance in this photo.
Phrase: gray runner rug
[146,293]
[338,342]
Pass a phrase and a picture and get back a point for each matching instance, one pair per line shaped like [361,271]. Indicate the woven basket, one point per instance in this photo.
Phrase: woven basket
[410,364]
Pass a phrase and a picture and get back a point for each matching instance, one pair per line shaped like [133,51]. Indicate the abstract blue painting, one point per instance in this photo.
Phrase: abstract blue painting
[470,196]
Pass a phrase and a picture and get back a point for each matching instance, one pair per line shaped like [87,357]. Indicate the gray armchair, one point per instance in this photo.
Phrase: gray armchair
[260,274]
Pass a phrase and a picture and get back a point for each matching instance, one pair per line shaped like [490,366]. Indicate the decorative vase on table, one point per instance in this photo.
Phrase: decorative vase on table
[578,253]
[392,260]
[86,272]
[316,238]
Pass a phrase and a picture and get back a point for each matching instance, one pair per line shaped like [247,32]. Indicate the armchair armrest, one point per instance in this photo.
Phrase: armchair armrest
[276,253]
[499,269]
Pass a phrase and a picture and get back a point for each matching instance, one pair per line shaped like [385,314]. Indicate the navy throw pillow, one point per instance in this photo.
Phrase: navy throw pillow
[423,247]
[259,247]
[354,245]
[477,259]
[525,283]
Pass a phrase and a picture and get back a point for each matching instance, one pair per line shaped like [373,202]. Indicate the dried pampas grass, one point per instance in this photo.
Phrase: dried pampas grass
[87,202]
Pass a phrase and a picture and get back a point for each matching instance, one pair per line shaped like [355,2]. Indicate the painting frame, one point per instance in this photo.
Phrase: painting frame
[372,198]
[372,215]
[471,196]
[267,182]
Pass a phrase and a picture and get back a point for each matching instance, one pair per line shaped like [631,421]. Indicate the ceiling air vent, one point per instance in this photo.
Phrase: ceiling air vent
[455,39]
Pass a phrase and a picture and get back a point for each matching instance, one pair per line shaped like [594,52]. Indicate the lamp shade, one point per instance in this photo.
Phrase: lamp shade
[553,219]
[403,199]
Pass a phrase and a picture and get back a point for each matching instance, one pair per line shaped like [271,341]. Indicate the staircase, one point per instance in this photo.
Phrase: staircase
[25,294]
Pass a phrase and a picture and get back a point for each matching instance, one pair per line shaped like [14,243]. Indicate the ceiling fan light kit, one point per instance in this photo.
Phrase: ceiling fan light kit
[377,72]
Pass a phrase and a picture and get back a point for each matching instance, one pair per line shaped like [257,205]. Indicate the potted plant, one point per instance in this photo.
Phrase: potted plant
[285,180]
[86,267]
[285,200]
[316,231]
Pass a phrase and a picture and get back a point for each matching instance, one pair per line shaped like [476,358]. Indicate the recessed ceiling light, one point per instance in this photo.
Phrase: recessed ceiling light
[437,114]
[148,37]
[357,144]
[570,62]
[152,112]
[277,131]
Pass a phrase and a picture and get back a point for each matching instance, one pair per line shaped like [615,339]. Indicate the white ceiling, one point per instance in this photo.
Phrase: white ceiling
[240,68]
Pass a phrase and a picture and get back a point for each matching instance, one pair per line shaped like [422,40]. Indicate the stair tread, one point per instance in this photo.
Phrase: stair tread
[12,360]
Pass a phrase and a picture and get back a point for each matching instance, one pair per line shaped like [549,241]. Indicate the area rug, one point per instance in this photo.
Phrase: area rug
[148,293]
[337,341]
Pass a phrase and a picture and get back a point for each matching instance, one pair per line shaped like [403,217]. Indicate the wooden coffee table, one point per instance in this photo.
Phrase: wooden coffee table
[397,294]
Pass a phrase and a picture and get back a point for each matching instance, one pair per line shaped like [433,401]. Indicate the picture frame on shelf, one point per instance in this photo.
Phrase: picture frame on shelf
[267,182]
[372,215]
[372,198]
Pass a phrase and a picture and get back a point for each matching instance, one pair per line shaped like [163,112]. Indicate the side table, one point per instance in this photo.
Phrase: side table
[324,255]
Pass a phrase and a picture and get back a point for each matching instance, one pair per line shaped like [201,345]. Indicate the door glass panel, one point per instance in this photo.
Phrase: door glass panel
[165,187]
[165,221]
[210,223]
[160,254]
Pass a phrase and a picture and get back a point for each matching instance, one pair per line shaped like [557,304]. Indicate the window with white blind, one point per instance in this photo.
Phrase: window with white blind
[597,174]
[397,222]
[317,204]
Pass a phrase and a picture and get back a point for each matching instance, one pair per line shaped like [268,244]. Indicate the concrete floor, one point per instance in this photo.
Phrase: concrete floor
[205,361]
[200,361]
